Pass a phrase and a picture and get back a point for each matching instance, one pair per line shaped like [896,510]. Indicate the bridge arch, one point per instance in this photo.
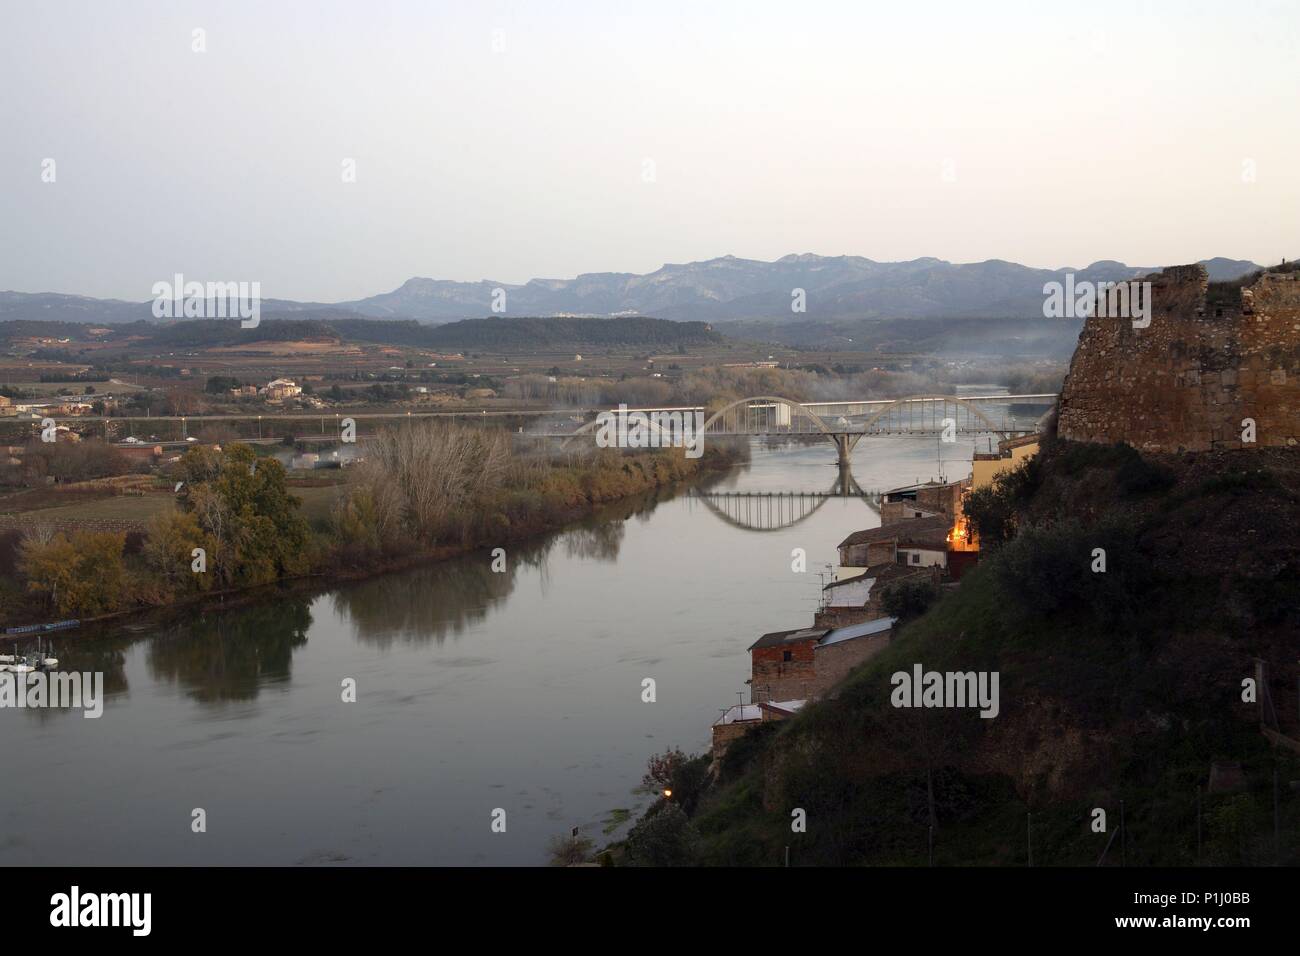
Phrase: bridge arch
[961,402]
[795,409]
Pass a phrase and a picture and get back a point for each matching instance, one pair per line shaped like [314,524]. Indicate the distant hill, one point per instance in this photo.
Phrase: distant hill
[714,290]
[729,288]
[544,333]
[337,325]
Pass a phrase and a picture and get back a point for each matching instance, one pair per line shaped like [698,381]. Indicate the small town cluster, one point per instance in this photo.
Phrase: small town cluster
[923,535]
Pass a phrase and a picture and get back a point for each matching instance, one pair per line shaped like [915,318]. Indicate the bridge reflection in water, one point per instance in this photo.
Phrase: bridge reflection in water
[778,510]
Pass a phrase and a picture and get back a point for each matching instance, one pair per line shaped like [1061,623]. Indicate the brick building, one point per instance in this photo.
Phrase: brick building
[925,500]
[807,662]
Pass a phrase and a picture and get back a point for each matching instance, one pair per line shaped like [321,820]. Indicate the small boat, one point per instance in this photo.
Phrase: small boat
[47,660]
[16,663]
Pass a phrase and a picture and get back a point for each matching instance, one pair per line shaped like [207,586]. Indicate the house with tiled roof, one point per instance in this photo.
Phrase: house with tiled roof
[918,542]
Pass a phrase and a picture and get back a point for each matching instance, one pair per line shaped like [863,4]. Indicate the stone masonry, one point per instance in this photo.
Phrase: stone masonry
[1212,356]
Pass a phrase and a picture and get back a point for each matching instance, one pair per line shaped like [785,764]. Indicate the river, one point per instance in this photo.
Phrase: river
[475,690]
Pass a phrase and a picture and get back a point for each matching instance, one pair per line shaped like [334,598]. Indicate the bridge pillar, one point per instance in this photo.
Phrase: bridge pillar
[844,444]
[844,484]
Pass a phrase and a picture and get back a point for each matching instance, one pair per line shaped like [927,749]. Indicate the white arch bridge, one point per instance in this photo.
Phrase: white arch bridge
[844,423]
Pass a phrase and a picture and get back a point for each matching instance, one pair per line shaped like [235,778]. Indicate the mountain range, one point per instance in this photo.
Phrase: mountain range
[714,290]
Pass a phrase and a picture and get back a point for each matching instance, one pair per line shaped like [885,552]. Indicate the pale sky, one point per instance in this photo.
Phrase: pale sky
[1052,135]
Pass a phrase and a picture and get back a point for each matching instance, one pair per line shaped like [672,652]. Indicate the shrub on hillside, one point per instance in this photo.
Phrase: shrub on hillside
[1141,476]
[663,837]
[568,851]
[686,777]
[1053,569]
[993,511]
[909,598]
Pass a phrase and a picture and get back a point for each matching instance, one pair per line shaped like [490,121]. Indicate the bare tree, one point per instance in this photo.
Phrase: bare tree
[419,475]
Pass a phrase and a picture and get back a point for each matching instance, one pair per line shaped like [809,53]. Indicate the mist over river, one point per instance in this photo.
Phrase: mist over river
[475,690]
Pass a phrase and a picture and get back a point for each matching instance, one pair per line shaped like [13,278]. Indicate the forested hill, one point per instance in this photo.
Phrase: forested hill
[540,333]
[495,334]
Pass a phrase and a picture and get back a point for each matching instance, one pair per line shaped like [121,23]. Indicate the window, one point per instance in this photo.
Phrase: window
[787,656]
[916,557]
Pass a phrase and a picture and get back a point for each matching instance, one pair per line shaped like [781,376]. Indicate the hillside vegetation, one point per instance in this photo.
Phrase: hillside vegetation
[1122,685]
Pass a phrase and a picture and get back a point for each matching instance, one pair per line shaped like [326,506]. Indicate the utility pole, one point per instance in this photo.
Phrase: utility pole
[1123,843]
[1198,823]
[1277,837]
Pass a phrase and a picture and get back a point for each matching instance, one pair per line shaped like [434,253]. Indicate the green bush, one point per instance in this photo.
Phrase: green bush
[663,837]
[1049,570]
[909,598]
[992,516]
[1140,476]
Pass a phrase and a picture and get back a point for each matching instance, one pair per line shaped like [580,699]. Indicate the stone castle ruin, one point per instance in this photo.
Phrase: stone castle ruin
[1214,358]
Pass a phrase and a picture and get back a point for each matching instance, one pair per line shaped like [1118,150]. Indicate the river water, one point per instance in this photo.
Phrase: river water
[475,691]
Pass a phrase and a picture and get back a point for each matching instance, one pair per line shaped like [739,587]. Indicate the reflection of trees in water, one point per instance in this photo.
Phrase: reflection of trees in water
[231,655]
[601,535]
[600,541]
[427,603]
[430,603]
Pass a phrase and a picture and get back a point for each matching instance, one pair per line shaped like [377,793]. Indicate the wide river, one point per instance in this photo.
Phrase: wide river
[475,691]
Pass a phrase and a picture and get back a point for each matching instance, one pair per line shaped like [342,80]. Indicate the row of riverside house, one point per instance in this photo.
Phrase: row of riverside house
[923,535]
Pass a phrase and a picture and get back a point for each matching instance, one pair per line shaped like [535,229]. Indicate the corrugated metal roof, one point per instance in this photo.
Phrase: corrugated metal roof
[851,631]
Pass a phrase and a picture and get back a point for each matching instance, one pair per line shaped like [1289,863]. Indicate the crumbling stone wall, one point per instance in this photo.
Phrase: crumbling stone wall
[1186,382]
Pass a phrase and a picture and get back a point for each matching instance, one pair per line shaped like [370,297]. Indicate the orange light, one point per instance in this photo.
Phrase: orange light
[667,793]
[961,538]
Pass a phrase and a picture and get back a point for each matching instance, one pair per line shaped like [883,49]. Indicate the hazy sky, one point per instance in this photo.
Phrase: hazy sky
[1047,134]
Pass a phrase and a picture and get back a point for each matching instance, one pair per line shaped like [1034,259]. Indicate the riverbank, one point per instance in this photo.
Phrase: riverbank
[571,493]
